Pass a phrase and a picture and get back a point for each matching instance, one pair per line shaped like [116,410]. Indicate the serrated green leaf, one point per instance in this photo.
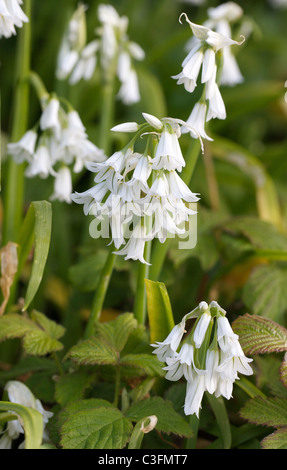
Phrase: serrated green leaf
[36,341]
[159,310]
[259,335]
[53,329]
[169,421]
[266,411]
[71,387]
[276,440]
[39,343]
[149,364]
[265,291]
[95,428]
[117,332]
[37,226]
[283,371]
[32,422]
[93,351]
[13,325]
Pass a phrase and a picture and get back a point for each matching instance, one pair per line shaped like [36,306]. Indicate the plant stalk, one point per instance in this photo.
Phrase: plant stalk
[13,198]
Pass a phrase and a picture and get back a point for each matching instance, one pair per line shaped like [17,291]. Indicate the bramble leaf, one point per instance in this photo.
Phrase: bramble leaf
[266,411]
[169,421]
[259,335]
[39,334]
[95,427]
[276,440]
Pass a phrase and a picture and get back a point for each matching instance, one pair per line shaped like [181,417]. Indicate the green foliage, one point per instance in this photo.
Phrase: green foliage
[102,389]
[32,423]
[260,335]
[113,344]
[36,227]
[39,334]
[159,310]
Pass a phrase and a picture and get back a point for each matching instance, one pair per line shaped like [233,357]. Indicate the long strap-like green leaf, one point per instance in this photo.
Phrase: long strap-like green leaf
[36,228]
[32,421]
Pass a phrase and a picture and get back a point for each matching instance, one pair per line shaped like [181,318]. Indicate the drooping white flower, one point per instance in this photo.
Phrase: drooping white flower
[41,164]
[72,43]
[19,393]
[86,63]
[168,347]
[220,19]
[182,364]
[63,185]
[150,196]
[194,394]
[11,15]
[50,119]
[197,120]
[24,149]
[201,328]
[210,359]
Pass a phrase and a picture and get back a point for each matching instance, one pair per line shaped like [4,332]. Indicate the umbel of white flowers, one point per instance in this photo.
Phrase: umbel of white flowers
[57,145]
[141,194]
[204,62]
[111,49]
[209,357]
[11,15]
[19,393]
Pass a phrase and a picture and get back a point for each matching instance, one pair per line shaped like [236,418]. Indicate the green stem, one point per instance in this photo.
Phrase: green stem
[117,385]
[100,294]
[140,297]
[194,424]
[14,191]
[160,249]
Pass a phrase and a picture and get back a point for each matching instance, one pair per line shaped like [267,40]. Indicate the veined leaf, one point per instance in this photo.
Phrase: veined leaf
[93,351]
[71,387]
[32,423]
[159,309]
[95,428]
[117,331]
[169,421]
[259,335]
[276,440]
[36,227]
[283,371]
[148,363]
[266,411]
[39,334]
[13,325]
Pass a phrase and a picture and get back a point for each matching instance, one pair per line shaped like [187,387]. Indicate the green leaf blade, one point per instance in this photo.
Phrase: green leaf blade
[159,310]
[40,212]
[32,423]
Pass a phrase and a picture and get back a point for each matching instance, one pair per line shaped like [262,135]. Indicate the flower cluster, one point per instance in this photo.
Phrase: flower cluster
[141,190]
[208,51]
[78,59]
[209,358]
[19,393]
[11,15]
[57,141]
